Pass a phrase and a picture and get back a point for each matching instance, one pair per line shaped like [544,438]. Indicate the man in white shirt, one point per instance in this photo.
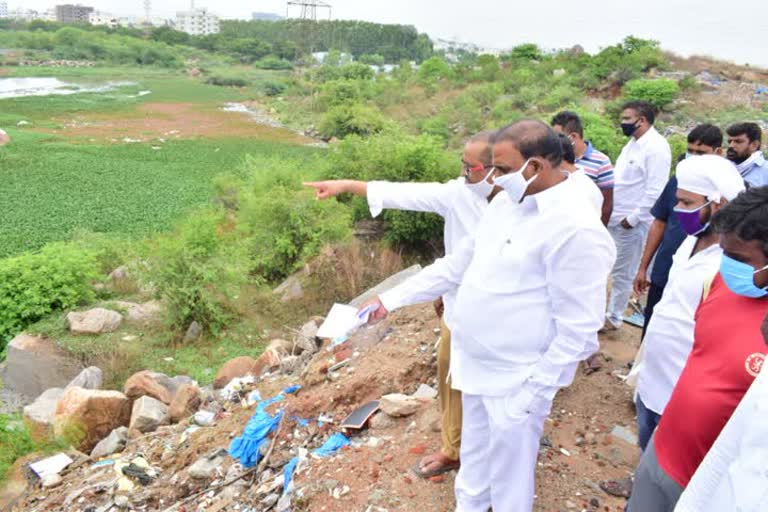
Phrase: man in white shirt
[704,185]
[531,296]
[461,202]
[641,172]
[733,474]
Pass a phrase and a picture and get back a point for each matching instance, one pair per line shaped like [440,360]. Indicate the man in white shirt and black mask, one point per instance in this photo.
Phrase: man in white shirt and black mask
[531,296]
[641,172]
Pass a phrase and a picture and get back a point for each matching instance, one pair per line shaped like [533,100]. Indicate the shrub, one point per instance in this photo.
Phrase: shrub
[197,271]
[274,88]
[340,92]
[356,71]
[395,156]
[661,92]
[354,119]
[227,81]
[32,285]
[372,59]
[274,63]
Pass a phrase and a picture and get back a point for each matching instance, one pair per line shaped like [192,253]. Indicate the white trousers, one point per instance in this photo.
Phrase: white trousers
[499,448]
[629,250]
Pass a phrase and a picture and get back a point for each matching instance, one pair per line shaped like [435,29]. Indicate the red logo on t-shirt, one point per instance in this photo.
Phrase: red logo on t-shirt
[754,364]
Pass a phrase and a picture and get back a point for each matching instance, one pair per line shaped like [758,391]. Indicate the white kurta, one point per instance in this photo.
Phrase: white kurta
[734,474]
[669,338]
[453,201]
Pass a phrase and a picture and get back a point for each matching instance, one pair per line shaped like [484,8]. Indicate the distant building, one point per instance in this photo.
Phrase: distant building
[197,22]
[69,13]
[3,9]
[267,16]
[25,14]
[102,19]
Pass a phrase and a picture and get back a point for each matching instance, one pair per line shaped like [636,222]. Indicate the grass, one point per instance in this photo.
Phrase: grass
[16,442]
[51,188]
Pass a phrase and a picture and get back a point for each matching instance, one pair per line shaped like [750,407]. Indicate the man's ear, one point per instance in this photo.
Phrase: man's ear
[719,151]
[754,146]
[716,206]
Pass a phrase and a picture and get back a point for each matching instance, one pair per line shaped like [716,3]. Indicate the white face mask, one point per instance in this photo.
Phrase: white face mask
[514,183]
[482,189]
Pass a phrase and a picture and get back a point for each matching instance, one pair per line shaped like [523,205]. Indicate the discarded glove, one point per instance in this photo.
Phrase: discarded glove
[332,445]
[247,447]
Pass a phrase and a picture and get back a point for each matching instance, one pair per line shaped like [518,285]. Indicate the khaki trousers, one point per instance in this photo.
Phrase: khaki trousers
[450,399]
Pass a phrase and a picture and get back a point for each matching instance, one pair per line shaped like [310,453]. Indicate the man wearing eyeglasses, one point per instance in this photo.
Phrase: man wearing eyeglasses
[461,202]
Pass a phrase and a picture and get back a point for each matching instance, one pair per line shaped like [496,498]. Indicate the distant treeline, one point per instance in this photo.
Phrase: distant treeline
[247,41]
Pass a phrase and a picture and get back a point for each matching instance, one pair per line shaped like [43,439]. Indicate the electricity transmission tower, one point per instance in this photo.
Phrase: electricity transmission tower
[308,9]
[147,10]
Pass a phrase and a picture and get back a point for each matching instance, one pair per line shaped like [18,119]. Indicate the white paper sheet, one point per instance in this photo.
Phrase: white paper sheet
[342,320]
[51,465]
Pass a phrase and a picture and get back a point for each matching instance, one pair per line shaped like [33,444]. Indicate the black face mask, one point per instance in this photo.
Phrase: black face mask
[629,129]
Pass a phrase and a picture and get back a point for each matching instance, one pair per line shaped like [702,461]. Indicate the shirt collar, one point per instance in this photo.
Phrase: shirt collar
[589,150]
[647,136]
[552,198]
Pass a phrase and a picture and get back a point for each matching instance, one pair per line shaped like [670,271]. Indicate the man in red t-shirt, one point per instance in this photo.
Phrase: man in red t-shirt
[728,352]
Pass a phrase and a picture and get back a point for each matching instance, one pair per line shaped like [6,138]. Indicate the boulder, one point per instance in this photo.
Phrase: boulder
[115,442]
[234,368]
[94,321]
[290,289]
[141,313]
[194,331]
[90,378]
[147,383]
[185,403]
[205,467]
[34,364]
[398,405]
[148,414]
[86,416]
[40,414]
[307,339]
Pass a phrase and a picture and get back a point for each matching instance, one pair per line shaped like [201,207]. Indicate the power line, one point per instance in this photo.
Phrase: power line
[308,9]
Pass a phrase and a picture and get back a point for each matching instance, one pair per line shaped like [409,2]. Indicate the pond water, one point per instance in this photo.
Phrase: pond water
[44,86]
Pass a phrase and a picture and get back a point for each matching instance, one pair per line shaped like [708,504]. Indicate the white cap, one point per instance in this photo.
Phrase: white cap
[711,176]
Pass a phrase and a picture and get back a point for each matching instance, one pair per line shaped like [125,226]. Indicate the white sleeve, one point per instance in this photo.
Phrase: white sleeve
[657,166]
[417,197]
[433,281]
[577,275]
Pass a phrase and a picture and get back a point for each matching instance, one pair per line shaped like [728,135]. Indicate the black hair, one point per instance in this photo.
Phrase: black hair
[570,121]
[706,134]
[643,109]
[752,131]
[484,137]
[532,138]
[746,216]
[566,144]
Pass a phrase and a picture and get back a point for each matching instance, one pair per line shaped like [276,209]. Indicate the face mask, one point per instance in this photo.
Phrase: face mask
[482,189]
[690,220]
[688,155]
[514,183]
[740,278]
[629,128]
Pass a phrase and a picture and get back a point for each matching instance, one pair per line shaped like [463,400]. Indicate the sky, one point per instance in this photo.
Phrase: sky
[737,32]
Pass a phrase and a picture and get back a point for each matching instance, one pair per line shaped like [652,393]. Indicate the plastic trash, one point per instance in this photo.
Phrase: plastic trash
[288,471]
[332,445]
[292,389]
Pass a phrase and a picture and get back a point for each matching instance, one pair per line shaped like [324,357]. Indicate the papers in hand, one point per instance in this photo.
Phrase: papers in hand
[343,319]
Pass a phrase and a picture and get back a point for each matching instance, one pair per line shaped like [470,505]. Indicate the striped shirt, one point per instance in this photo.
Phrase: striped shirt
[597,166]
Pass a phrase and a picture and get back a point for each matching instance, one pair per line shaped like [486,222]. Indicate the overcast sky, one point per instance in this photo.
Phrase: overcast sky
[736,31]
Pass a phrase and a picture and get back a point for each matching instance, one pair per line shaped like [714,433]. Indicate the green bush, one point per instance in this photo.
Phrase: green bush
[372,59]
[197,271]
[227,81]
[395,156]
[661,91]
[274,88]
[32,285]
[274,63]
[351,119]
[434,69]
[340,92]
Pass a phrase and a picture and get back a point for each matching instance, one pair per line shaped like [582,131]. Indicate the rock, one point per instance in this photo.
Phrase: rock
[194,331]
[52,480]
[34,364]
[594,502]
[40,414]
[290,289]
[113,443]
[237,367]
[307,339]
[185,403]
[141,313]
[148,414]
[425,391]
[270,500]
[385,285]
[90,378]
[291,365]
[398,405]
[570,505]
[120,273]
[94,321]
[590,438]
[147,383]
[624,434]
[86,416]
[121,501]
[180,380]
[205,467]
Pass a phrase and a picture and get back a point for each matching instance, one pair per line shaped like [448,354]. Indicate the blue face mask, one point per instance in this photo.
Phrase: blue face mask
[740,278]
